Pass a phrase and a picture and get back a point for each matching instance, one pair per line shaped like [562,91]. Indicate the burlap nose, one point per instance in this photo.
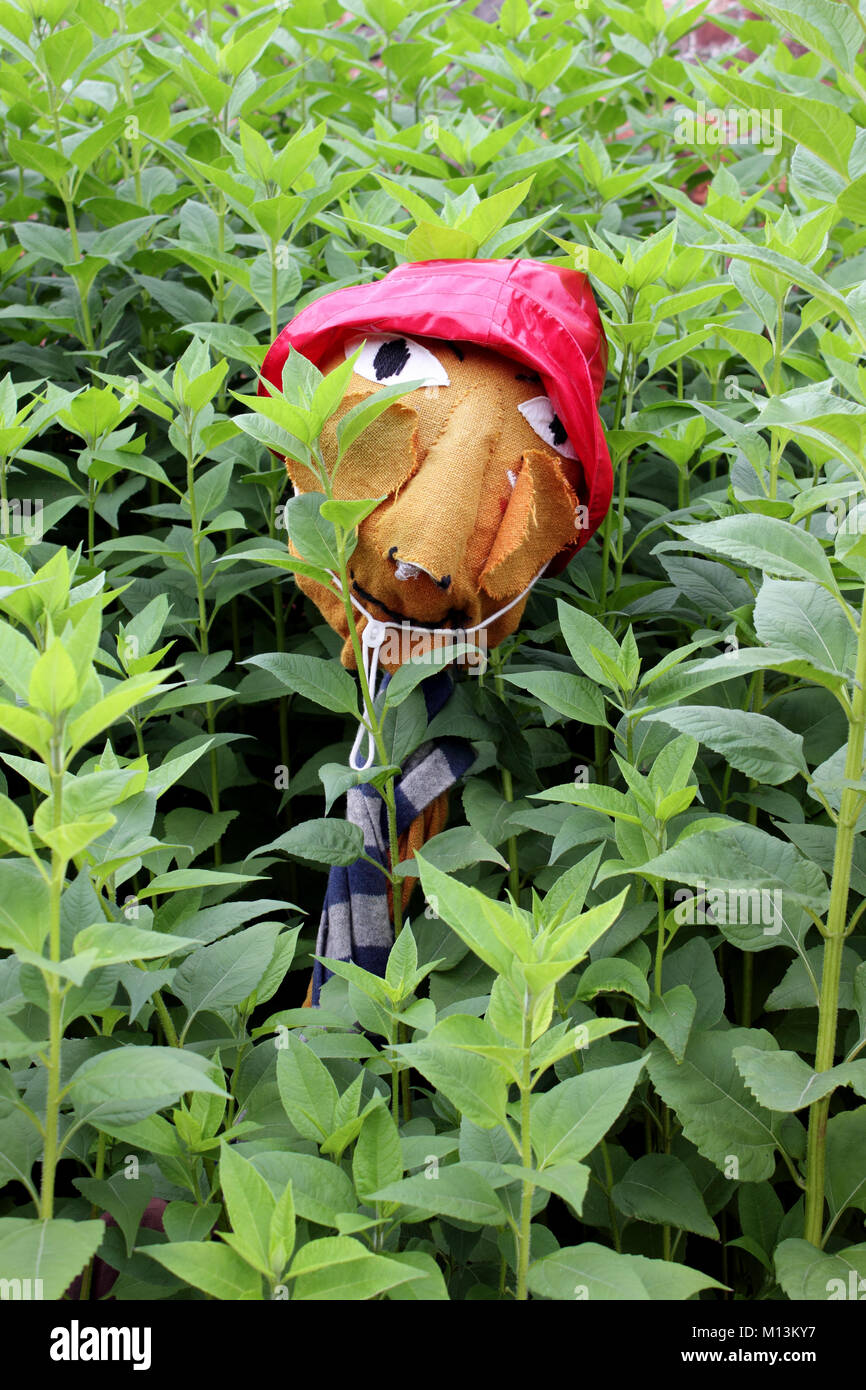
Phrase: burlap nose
[430,523]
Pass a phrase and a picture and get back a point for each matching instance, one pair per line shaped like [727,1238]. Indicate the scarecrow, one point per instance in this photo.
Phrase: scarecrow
[493,472]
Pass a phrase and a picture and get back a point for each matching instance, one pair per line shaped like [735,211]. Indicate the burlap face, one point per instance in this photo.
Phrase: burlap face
[475,502]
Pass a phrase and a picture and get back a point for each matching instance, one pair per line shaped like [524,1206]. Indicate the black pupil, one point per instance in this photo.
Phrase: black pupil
[557,433]
[391,359]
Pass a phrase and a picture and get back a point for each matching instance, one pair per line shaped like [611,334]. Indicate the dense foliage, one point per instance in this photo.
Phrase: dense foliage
[617,1051]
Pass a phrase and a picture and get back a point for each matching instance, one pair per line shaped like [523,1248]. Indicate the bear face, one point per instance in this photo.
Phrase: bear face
[479,486]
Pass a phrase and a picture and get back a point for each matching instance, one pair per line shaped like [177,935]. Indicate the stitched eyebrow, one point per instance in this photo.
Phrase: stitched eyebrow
[458,352]
[527,376]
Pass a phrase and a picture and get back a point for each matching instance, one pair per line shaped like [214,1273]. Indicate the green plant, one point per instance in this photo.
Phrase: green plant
[619,1048]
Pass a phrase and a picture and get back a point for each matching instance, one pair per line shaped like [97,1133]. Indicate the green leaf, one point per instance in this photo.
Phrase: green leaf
[115,942]
[846,1174]
[323,682]
[53,1251]
[417,669]
[754,744]
[800,986]
[323,841]
[125,695]
[306,1088]
[123,1198]
[671,1017]
[807,1273]
[608,801]
[743,860]
[340,1269]
[281,1239]
[572,696]
[25,907]
[583,633]
[310,534]
[153,1134]
[823,26]
[803,619]
[378,1158]
[613,975]
[320,1187]
[53,682]
[783,1081]
[495,934]
[476,1086]
[430,1287]
[186,1221]
[361,416]
[597,1274]
[250,1206]
[226,972]
[433,242]
[178,879]
[717,1112]
[821,127]
[456,1191]
[764,543]
[568,1121]
[349,513]
[457,848]
[18,658]
[214,1268]
[493,212]
[568,1180]
[402,964]
[660,1189]
[129,1083]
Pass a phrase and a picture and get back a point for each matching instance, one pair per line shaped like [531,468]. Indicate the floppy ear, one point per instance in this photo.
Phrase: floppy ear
[379,461]
[538,521]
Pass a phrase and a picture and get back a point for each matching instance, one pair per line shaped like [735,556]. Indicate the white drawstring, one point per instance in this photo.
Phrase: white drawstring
[372,639]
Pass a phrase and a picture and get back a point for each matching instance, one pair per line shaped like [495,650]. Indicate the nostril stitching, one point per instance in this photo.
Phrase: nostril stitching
[407,569]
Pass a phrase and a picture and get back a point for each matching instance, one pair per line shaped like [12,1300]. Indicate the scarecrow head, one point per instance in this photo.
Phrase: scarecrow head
[492,471]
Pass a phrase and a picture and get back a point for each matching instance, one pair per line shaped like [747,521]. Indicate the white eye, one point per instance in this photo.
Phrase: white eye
[540,415]
[392,358]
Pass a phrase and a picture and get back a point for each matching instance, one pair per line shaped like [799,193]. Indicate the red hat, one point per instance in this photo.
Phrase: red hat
[541,315]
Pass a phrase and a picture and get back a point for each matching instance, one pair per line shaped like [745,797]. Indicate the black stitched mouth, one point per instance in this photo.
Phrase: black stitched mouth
[456,617]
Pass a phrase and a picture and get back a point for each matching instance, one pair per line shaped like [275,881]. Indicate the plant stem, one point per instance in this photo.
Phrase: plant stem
[611,1208]
[608,521]
[525,1236]
[660,937]
[98,1171]
[834,938]
[375,724]
[508,794]
[202,620]
[55,994]
[165,1019]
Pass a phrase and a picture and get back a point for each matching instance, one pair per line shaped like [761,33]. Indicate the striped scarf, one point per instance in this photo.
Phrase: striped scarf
[356,921]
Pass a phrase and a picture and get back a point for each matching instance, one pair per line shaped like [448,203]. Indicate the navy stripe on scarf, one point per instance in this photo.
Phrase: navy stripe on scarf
[356,924]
